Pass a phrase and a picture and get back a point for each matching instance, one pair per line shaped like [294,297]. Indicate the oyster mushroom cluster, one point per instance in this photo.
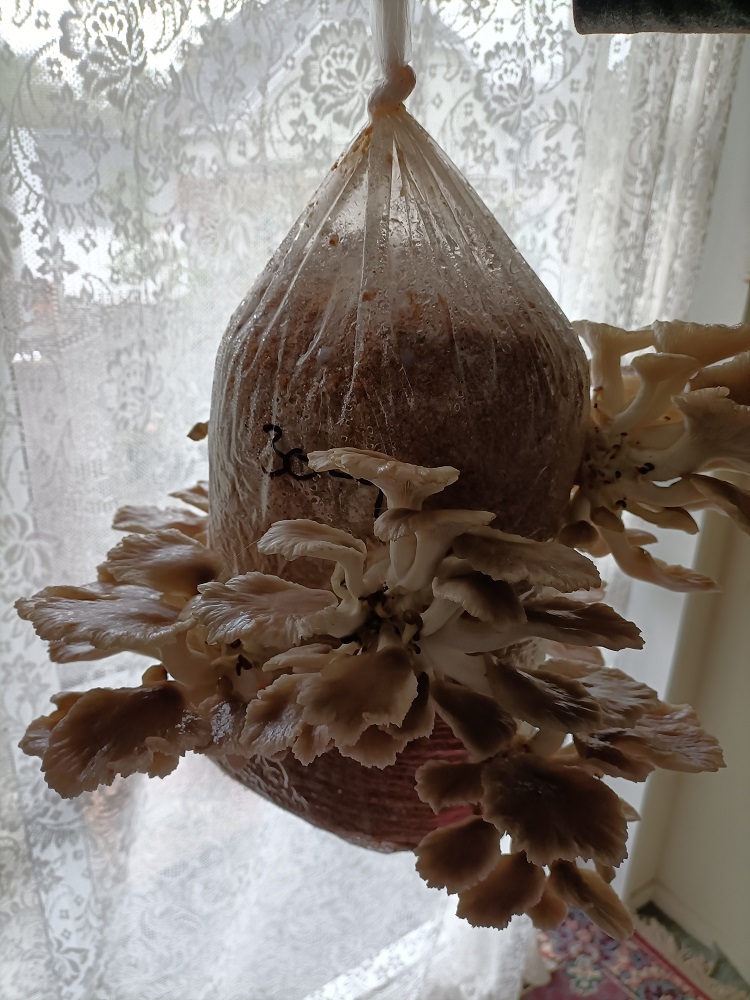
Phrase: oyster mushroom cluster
[680,408]
[437,613]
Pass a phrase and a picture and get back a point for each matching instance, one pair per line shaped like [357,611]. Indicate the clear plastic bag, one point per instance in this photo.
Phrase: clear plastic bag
[396,316]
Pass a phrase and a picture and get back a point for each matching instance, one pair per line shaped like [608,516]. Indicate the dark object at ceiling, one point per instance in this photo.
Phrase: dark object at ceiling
[629,16]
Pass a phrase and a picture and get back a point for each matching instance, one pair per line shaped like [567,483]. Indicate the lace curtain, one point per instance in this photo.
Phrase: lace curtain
[152,155]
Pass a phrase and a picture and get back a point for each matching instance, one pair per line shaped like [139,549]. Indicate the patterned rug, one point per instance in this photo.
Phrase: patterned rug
[589,963]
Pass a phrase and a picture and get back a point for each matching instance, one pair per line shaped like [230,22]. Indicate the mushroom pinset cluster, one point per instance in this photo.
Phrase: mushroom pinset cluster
[678,410]
[435,618]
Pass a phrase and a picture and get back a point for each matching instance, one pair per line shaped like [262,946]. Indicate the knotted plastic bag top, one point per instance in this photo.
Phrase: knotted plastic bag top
[396,316]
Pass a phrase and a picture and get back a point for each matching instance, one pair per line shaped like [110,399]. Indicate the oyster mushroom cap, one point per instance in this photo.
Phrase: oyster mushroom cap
[104,615]
[621,699]
[725,497]
[550,911]
[590,893]
[107,732]
[561,619]
[62,651]
[294,539]
[512,887]
[446,522]
[458,856]
[717,431]
[707,343]
[544,699]
[667,736]
[273,720]
[477,720]
[166,560]
[195,496]
[305,659]
[403,484]
[144,520]
[640,564]
[35,740]
[375,747]
[491,601]
[554,811]
[353,692]
[275,612]
[515,559]
[442,784]
[733,375]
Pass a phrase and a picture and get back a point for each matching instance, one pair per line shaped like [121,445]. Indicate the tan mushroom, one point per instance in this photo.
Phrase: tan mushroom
[709,343]
[554,811]
[199,669]
[103,615]
[724,497]
[550,911]
[478,721]
[716,435]
[403,485]
[516,560]
[353,692]
[419,721]
[62,651]
[199,431]
[375,747]
[458,856]
[621,699]
[544,699]
[638,537]
[576,654]
[438,614]
[273,720]
[145,520]
[581,624]
[512,887]
[671,737]
[733,375]
[589,892]
[301,659]
[491,601]
[443,784]
[599,753]
[275,612]
[311,742]
[224,715]
[676,518]
[109,732]
[583,535]
[35,741]
[195,496]
[302,537]
[641,565]
[167,561]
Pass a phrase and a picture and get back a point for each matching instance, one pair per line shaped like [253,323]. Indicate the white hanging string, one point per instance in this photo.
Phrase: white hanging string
[391,30]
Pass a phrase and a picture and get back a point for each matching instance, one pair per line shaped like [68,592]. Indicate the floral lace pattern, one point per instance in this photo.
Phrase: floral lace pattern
[151,155]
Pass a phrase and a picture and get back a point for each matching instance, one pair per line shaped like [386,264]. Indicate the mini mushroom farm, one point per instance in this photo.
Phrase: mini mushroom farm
[381,611]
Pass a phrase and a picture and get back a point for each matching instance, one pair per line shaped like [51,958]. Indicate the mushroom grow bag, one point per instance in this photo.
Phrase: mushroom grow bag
[396,316]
